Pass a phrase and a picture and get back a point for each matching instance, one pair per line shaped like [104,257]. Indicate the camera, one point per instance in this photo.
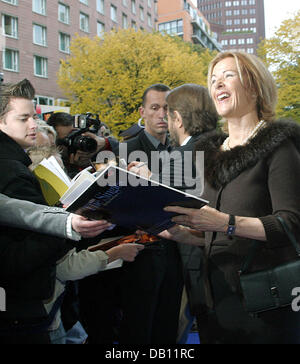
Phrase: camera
[75,140]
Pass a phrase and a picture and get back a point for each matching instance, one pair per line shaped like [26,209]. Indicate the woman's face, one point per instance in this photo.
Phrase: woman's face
[231,98]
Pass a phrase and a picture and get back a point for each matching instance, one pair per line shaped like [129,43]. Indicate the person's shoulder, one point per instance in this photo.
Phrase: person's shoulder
[282,133]
[136,143]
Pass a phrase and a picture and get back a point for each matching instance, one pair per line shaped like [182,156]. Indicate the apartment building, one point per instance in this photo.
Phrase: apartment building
[182,18]
[36,34]
[240,24]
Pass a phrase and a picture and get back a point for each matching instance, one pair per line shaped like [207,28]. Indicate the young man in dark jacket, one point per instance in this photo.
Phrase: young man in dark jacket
[27,259]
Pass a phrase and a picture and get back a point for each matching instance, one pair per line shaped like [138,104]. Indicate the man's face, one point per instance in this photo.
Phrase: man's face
[174,137]
[154,113]
[20,122]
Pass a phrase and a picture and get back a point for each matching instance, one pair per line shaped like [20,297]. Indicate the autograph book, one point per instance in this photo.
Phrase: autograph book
[127,200]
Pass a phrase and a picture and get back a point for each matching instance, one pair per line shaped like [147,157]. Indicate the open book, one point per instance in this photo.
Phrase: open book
[55,183]
[53,180]
[127,200]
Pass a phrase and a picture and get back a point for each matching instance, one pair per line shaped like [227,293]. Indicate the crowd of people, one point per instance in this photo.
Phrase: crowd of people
[55,282]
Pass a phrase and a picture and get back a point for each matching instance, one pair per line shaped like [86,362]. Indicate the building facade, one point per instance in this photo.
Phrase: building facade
[182,18]
[36,34]
[240,24]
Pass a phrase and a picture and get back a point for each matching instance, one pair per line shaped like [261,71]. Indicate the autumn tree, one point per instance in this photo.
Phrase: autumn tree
[282,55]
[108,75]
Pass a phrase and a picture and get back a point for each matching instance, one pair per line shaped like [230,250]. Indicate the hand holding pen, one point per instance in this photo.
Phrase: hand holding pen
[140,168]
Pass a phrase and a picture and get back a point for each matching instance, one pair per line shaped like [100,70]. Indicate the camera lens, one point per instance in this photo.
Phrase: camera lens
[85,144]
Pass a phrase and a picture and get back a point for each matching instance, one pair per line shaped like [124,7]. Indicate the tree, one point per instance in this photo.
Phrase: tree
[282,55]
[108,75]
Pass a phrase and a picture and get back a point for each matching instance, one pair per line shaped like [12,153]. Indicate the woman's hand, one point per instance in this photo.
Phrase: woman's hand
[183,235]
[204,219]
[87,228]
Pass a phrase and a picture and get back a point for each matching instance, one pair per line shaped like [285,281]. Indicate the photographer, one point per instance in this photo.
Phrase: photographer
[79,144]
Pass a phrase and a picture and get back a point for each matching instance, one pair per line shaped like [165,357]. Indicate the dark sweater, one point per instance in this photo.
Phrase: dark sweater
[261,179]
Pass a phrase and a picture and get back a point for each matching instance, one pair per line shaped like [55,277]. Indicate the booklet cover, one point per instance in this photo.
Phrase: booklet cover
[130,201]
[53,180]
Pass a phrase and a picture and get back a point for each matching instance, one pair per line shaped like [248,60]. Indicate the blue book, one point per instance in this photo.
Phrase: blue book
[130,201]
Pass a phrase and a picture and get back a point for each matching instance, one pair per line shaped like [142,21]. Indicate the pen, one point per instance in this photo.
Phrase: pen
[141,165]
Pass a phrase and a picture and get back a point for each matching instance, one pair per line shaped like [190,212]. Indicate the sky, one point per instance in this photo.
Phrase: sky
[276,11]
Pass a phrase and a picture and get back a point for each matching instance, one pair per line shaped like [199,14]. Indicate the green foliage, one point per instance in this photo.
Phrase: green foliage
[109,75]
[282,55]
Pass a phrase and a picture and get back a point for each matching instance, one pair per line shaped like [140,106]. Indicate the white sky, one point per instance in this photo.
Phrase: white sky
[276,11]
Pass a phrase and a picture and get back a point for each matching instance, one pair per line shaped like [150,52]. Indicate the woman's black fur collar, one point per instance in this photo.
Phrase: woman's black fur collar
[223,167]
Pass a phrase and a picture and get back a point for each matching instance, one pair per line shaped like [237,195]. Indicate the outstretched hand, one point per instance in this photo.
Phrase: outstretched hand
[87,228]
[204,219]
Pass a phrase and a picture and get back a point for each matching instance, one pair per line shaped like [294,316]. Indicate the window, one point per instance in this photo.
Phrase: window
[133,6]
[39,35]
[64,42]
[236,12]
[224,42]
[252,2]
[13,2]
[39,6]
[228,12]
[149,20]
[100,29]
[173,27]
[236,3]
[142,13]
[125,3]
[241,41]
[244,2]
[228,22]
[232,42]
[250,50]
[100,6]
[149,4]
[228,3]
[85,2]
[133,25]
[113,13]
[10,26]
[44,100]
[84,22]
[252,21]
[40,66]
[64,13]
[10,60]
[124,21]
[250,41]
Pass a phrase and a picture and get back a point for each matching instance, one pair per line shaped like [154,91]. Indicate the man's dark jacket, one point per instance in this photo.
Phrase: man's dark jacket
[27,259]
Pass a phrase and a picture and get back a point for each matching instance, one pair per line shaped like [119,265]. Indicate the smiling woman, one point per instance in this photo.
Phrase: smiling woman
[252,173]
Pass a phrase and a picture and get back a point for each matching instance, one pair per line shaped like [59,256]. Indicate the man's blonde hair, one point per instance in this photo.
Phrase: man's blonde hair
[255,76]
